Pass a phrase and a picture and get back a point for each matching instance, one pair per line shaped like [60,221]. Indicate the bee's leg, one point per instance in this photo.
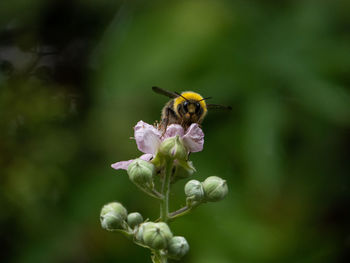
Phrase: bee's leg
[166,122]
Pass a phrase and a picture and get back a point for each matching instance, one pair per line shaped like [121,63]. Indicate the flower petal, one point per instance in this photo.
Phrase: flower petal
[194,138]
[123,165]
[147,137]
[173,130]
[146,157]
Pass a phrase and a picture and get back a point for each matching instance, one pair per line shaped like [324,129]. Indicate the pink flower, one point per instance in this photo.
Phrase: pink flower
[148,140]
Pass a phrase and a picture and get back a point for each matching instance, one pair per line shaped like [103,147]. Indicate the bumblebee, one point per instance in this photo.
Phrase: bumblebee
[185,108]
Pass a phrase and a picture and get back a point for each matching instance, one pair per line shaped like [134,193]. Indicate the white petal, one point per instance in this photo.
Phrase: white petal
[173,130]
[194,138]
[123,165]
[146,157]
[147,137]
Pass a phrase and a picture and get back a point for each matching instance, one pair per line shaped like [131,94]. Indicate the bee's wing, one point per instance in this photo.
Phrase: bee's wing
[218,107]
[165,92]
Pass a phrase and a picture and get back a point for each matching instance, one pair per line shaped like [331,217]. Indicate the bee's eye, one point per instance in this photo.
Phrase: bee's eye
[185,105]
[198,107]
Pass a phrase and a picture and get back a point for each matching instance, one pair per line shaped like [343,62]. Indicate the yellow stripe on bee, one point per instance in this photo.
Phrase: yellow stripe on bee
[190,95]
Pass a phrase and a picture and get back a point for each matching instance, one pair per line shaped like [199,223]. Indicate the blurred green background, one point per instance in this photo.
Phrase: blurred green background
[76,76]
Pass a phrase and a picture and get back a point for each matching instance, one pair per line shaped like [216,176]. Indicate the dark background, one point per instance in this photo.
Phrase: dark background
[76,76]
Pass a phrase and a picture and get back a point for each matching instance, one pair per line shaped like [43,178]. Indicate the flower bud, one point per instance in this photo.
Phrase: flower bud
[156,235]
[178,247]
[139,231]
[215,188]
[174,148]
[141,173]
[194,190]
[134,219]
[183,169]
[112,216]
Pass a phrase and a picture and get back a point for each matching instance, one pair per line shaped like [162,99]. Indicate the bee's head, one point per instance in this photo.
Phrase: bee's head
[190,106]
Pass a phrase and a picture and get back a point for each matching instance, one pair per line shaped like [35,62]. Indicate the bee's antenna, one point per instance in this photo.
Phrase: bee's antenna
[180,95]
[205,98]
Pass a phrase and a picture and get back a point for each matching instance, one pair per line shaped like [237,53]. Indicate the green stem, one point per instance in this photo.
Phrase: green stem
[163,259]
[182,211]
[164,206]
[158,257]
[151,192]
[127,234]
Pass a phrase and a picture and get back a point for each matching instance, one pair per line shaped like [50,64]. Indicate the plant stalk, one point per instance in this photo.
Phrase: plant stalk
[164,206]
[158,257]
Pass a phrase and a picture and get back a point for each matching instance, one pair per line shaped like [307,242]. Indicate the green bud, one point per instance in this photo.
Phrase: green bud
[112,216]
[141,173]
[134,219]
[183,169]
[215,188]
[174,148]
[194,190]
[158,161]
[139,231]
[178,247]
[156,235]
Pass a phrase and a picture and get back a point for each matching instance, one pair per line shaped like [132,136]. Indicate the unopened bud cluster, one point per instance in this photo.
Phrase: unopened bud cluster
[213,189]
[155,235]
[159,236]
[167,162]
[114,216]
